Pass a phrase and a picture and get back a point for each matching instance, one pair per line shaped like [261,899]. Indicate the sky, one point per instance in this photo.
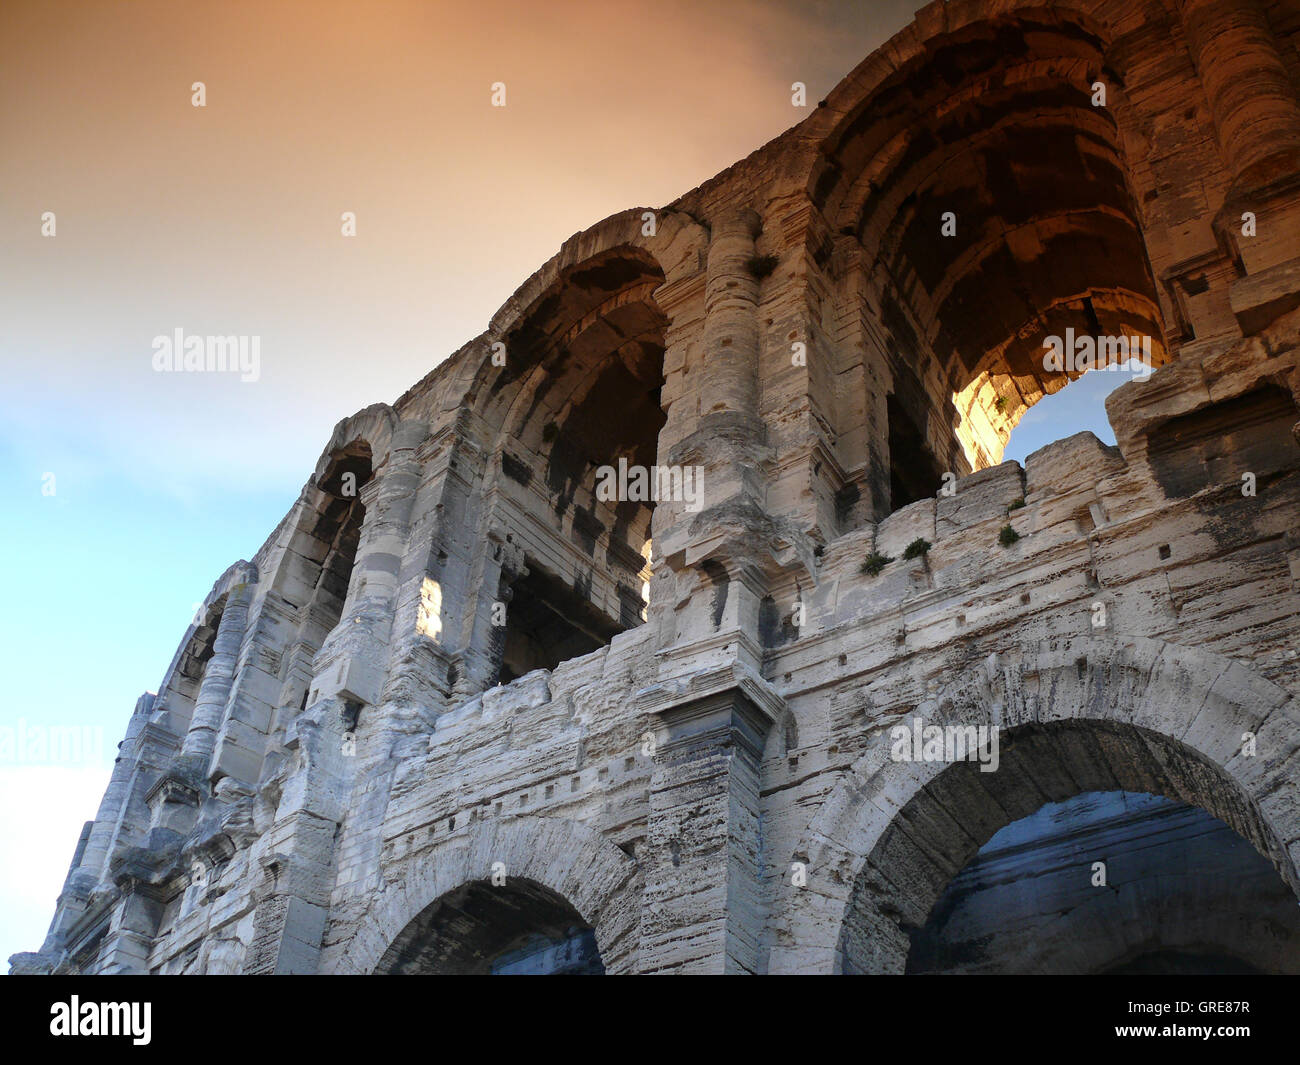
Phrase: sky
[1079,407]
[129,491]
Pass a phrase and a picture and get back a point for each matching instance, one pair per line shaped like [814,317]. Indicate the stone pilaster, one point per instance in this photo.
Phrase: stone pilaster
[353,661]
[90,866]
[297,871]
[218,676]
[703,908]
[241,739]
[351,669]
[1256,113]
[724,550]
[728,373]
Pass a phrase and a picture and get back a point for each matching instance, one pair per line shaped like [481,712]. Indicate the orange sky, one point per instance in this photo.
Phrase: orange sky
[225,219]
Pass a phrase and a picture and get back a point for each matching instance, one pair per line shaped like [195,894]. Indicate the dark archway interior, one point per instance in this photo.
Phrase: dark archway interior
[183,688]
[201,647]
[940,830]
[519,928]
[336,529]
[580,394]
[913,473]
[323,548]
[549,624]
[994,207]
[1112,882]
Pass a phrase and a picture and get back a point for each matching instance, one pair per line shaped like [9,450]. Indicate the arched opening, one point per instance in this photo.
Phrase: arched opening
[518,928]
[984,204]
[1064,796]
[184,681]
[579,404]
[317,572]
[1112,882]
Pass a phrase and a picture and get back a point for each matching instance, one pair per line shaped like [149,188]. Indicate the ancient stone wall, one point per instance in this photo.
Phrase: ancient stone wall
[463,706]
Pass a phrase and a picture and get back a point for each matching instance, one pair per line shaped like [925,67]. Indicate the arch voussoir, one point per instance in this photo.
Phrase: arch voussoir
[1190,708]
[592,875]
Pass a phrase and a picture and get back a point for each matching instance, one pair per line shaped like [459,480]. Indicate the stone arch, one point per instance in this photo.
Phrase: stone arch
[372,426]
[676,250]
[321,542]
[324,532]
[324,528]
[180,684]
[678,245]
[910,46]
[576,863]
[580,392]
[986,113]
[1189,706]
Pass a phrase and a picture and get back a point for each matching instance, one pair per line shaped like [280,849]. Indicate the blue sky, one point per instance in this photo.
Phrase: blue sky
[1078,407]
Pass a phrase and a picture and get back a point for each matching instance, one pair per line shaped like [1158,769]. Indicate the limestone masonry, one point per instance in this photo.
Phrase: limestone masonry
[464,713]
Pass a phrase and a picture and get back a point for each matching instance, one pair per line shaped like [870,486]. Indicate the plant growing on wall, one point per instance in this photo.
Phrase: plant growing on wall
[917,548]
[875,562]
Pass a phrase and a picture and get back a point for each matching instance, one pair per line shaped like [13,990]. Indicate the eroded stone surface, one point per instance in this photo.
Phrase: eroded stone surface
[690,765]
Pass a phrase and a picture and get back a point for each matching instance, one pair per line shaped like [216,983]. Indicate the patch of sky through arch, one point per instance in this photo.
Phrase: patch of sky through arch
[1079,407]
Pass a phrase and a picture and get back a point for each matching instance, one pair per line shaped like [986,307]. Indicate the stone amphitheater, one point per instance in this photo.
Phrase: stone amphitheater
[464,712]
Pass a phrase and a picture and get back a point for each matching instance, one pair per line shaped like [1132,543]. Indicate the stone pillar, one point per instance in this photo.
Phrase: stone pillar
[351,669]
[90,867]
[729,377]
[433,601]
[353,660]
[703,890]
[250,711]
[214,691]
[720,550]
[297,870]
[727,381]
[1256,113]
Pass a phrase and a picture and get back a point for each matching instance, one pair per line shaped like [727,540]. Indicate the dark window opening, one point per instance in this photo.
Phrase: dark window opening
[338,525]
[1217,444]
[913,473]
[548,623]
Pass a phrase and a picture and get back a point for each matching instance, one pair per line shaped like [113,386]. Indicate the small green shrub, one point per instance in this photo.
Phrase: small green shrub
[1008,536]
[1016,504]
[917,548]
[875,562]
